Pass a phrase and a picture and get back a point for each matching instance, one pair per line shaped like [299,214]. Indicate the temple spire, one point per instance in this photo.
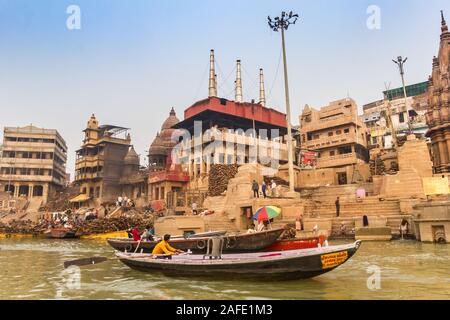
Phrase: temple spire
[212,76]
[444,27]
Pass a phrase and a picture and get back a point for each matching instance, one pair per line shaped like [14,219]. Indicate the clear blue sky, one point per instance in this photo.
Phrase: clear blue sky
[134,60]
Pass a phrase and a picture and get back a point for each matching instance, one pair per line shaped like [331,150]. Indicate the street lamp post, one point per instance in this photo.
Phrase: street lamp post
[282,23]
[400,63]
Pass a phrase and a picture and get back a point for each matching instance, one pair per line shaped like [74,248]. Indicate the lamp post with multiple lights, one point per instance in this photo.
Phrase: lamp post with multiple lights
[400,63]
[282,23]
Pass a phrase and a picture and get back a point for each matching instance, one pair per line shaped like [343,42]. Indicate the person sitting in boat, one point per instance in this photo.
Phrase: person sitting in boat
[130,235]
[136,234]
[163,248]
[147,235]
[261,226]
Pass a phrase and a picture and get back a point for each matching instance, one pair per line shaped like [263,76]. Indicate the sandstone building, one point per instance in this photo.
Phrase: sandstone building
[33,162]
[438,114]
[375,115]
[338,136]
[103,159]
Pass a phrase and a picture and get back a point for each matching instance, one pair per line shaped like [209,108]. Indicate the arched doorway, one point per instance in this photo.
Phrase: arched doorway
[24,191]
[38,191]
[10,188]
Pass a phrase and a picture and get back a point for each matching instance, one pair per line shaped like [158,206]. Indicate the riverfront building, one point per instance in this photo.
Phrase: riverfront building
[376,115]
[105,156]
[223,131]
[337,135]
[33,162]
[438,114]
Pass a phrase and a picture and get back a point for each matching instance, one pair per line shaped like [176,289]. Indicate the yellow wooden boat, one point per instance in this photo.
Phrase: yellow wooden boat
[17,235]
[103,236]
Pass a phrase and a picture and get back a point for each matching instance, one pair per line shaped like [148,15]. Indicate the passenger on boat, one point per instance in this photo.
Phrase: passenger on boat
[147,235]
[163,248]
[130,235]
[136,234]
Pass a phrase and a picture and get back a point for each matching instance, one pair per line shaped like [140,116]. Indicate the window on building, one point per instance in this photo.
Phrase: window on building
[316,136]
[347,130]
[330,134]
[345,150]
[401,117]
[332,153]
[338,132]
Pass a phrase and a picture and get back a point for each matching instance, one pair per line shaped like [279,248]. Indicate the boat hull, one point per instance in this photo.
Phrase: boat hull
[297,264]
[60,233]
[233,243]
[296,244]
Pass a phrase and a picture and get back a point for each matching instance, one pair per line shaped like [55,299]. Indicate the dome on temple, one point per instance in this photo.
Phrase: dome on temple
[157,147]
[131,157]
[170,121]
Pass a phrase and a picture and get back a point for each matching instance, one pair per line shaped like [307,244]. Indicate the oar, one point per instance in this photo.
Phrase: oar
[84,261]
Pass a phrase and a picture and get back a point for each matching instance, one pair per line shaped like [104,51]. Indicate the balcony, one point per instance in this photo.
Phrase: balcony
[88,176]
[337,160]
[333,141]
[323,124]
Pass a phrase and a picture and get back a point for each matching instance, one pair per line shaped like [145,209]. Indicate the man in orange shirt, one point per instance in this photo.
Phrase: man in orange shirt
[163,248]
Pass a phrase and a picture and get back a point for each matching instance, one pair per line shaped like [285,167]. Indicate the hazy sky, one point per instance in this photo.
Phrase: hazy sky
[132,61]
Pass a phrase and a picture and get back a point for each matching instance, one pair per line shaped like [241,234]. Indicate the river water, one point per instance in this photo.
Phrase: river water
[33,269]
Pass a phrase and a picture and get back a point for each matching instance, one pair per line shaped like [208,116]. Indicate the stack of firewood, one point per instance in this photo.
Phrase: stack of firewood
[219,175]
[113,224]
[377,166]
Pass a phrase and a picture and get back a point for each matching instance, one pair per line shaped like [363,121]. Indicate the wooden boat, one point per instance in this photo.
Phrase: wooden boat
[296,244]
[202,234]
[233,243]
[60,233]
[293,264]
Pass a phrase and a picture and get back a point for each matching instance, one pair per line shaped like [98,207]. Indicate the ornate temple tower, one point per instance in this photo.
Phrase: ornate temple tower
[438,114]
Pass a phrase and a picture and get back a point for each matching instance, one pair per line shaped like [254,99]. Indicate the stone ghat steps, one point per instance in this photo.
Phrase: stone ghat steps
[369,208]
[216,222]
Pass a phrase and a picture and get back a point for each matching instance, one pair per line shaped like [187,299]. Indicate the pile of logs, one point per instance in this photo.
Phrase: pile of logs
[21,227]
[106,225]
[219,175]
[377,166]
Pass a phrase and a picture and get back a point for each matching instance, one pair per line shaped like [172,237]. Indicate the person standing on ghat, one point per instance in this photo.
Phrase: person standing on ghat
[338,207]
[255,188]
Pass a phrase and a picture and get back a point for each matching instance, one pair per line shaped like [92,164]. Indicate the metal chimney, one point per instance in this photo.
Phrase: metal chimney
[212,76]
[262,91]
[238,82]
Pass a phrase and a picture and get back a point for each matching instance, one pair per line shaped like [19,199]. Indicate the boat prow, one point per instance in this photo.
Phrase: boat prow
[293,264]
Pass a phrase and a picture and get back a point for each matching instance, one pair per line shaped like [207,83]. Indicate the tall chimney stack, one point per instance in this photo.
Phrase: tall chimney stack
[212,76]
[238,82]
[262,91]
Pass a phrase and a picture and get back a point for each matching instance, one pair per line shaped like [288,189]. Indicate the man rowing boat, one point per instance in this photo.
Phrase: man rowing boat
[163,250]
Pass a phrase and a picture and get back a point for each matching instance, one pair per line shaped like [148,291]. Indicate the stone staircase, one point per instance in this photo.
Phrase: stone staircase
[220,221]
[370,206]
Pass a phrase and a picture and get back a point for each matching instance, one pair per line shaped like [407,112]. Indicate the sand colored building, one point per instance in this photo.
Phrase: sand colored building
[33,162]
[375,115]
[103,159]
[337,135]
[438,114]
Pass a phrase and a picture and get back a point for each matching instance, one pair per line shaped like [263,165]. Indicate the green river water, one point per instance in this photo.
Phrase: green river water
[33,269]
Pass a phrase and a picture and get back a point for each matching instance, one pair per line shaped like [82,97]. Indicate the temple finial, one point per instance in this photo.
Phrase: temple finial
[444,27]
